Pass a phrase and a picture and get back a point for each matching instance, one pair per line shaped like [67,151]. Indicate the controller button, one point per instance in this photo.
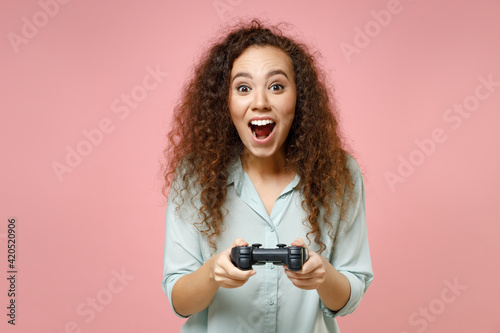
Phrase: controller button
[281,245]
[295,263]
[256,245]
[295,251]
[245,250]
[245,263]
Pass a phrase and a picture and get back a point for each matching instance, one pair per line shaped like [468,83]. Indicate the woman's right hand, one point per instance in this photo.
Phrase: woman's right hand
[224,273]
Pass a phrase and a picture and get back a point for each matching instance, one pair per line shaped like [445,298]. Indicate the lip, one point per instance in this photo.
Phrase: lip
[266,140]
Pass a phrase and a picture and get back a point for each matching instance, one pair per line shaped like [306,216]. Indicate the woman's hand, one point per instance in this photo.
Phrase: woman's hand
[224,273]
[313,271]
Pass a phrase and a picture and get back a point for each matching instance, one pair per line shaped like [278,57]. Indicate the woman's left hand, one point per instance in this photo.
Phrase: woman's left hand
[313,271]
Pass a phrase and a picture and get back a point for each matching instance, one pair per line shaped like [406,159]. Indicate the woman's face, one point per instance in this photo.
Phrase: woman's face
[262,99]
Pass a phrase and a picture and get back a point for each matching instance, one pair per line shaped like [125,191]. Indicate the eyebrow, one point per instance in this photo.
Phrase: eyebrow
[268,75]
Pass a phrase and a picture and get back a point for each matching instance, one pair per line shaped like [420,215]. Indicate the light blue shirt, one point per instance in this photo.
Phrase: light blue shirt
[268,302]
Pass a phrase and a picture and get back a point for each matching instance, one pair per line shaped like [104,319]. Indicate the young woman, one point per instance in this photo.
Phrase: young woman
[255,156]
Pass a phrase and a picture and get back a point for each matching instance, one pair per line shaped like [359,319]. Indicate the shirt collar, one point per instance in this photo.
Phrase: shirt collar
[236,174]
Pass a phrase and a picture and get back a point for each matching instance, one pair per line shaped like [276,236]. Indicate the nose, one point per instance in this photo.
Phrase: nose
[260,101]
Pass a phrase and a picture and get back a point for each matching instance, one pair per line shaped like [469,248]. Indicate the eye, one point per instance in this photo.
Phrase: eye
[276,87]
[243,89]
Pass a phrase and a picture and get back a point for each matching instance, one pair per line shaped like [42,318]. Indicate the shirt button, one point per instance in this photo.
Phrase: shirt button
[271,301]
[272,229]
[272,266]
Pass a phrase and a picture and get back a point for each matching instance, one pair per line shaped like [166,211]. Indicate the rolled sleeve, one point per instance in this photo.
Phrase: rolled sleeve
[351,255]
[182,254]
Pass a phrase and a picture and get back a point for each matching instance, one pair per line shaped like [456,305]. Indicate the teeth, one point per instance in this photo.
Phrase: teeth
[261,122]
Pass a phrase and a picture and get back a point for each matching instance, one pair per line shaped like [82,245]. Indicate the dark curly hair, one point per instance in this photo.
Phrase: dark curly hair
[204,140]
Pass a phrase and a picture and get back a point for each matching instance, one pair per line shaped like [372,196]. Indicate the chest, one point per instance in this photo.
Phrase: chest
[269,194]
[247,218]
[270,189]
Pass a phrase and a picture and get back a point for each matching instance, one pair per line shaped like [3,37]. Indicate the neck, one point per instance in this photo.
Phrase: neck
[266,167]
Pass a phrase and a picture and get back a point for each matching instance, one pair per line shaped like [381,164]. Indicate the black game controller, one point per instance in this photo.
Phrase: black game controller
[244,257]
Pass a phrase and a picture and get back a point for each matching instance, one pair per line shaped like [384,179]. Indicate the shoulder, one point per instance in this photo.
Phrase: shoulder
[353,167]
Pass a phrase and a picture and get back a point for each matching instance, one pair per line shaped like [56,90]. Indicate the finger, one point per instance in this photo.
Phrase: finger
[234,272]
[227,270]
[234,278]
[299,242]
[232,283]
[238,274]
[309,269]
[314,263]
[228,282]
[297,275]
[310,266]
[239,242]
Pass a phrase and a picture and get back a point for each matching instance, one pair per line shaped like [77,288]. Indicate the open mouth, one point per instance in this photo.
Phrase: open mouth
[261,129]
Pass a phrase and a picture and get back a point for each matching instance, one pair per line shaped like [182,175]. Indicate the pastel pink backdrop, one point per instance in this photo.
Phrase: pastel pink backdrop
[433,227]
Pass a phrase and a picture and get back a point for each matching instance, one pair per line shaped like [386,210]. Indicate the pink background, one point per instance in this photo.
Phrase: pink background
[435,226]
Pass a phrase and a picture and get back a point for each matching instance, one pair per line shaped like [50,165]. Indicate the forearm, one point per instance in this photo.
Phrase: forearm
[335,291]
[192,293]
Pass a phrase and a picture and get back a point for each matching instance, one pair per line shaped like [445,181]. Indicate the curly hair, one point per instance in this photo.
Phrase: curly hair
[204,140]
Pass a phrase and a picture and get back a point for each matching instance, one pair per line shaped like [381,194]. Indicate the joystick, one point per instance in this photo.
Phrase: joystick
[244,257]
